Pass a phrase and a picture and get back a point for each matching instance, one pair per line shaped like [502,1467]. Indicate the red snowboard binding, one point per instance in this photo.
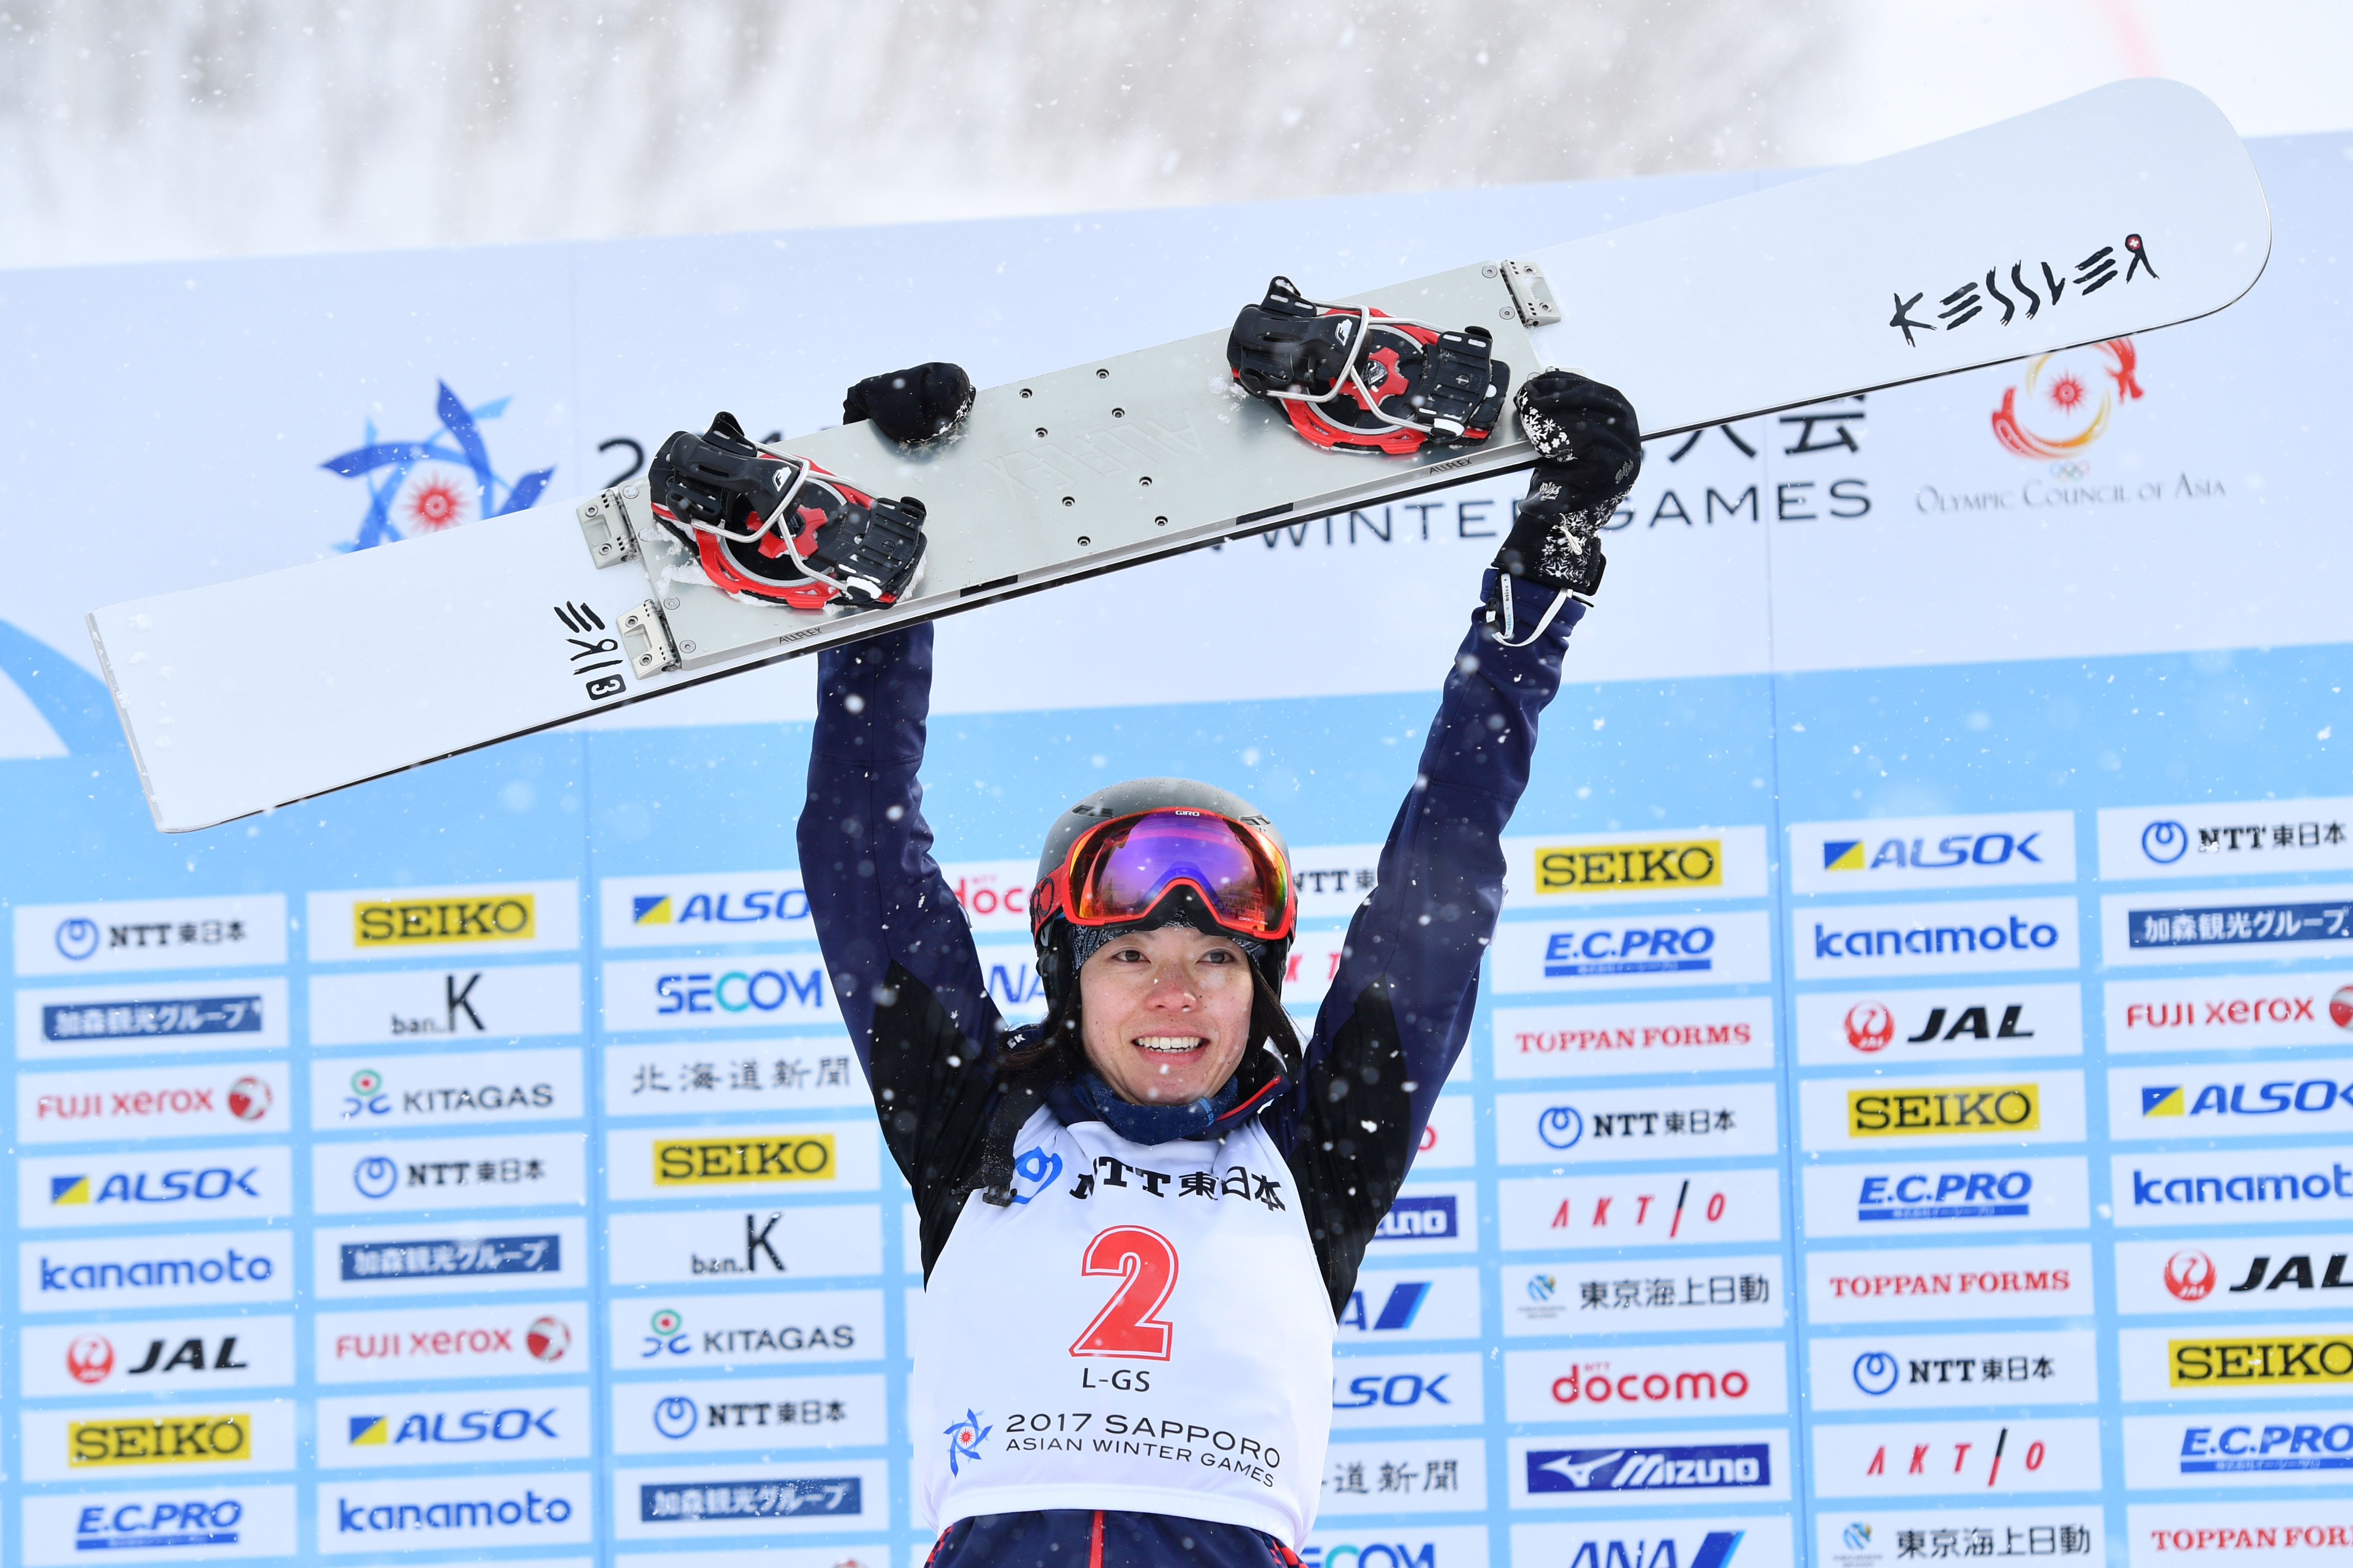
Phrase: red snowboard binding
[1357,379]
[780,530]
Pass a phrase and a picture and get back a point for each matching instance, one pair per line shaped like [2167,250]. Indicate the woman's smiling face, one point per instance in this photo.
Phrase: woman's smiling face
[1167,1013]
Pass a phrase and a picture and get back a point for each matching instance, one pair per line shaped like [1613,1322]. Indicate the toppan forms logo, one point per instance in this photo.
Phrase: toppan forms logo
[429,485]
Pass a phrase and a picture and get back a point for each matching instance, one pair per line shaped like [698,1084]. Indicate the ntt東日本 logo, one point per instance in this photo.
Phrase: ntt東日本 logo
[693,1162]
[1930,1110]
[174,1439]
[1878,1372]
[437,483]
[1662,868]
[1642,1467]
[492,917]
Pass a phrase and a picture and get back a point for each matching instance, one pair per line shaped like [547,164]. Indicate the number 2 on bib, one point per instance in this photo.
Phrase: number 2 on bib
[1128,1325]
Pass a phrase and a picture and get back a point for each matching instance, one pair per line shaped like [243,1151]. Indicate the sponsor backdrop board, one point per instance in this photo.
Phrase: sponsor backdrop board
[1905,1116]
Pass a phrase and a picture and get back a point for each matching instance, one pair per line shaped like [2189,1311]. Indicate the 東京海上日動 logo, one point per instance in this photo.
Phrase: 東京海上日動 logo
[424,486]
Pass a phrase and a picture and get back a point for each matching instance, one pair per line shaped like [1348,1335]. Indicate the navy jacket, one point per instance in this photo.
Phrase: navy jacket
[916,1002]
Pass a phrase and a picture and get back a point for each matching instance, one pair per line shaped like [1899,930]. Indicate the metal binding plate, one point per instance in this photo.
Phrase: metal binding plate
[605,524]
[660,651]
[1531,293]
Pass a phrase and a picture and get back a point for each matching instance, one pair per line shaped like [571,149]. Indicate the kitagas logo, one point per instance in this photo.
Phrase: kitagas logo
[439,483]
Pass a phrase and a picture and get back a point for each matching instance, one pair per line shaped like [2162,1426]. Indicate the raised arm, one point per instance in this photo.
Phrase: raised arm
[896,942]
[1399,1009]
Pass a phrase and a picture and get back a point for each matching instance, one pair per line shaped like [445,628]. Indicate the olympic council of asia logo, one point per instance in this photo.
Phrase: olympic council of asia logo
[445,480]
[2063,402]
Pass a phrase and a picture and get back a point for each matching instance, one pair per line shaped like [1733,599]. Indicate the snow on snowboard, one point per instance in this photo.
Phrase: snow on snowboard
[1968,252]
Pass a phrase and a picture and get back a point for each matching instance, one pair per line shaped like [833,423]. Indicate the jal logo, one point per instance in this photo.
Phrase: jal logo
[754,906]
[211,1185]
[1954,849]
[514,1424]
[1871,1027]
[77,937]
[495,917]
[1396,1391]
[2312,1096]
[2189,1275]
[90,1359]
[677,1416]
[417,487]
[2295,1272]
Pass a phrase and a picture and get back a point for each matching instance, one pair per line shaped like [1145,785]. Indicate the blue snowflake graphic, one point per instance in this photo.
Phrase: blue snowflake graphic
[383,467]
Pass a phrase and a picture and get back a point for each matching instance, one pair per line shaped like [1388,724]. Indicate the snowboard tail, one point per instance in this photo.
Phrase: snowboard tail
[252,694]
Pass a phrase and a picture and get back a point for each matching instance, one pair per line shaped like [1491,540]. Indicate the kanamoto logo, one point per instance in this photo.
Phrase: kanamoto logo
[1930,1110]
[2292,1359]
[494,917]
[2063,402]
[1629,867]
[690,1161]
[174,1441]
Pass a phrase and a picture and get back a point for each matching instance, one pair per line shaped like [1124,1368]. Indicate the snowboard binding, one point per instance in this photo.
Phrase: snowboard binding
[1357,379]
[779,530]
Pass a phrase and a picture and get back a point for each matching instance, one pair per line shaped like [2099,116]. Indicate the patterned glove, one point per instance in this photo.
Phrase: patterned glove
[1591,447]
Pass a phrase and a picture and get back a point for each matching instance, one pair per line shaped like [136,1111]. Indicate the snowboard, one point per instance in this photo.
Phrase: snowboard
[2125,209]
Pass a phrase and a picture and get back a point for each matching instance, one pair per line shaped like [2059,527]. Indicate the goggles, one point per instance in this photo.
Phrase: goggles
[1119,870]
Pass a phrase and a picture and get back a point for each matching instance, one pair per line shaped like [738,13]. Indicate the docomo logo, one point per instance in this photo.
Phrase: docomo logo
[2189,1275]
[2017,936]
[983,900]
[737,991]
[1593,1384]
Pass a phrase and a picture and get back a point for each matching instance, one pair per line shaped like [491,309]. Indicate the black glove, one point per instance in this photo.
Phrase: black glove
[913,405]
[1591,451]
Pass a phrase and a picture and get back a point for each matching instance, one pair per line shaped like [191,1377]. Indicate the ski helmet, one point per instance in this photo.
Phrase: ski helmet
[1162,851]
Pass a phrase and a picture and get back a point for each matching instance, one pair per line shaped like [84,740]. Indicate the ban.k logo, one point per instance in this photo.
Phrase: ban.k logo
[445,480]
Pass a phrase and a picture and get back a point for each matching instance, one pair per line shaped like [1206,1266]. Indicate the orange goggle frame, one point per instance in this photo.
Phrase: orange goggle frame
[1119,870]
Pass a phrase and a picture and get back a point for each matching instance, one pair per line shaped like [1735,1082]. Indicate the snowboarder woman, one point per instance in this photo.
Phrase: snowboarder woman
[1140,1217]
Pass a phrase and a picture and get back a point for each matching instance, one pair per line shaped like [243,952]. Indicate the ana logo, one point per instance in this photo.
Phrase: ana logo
[1874,1372]
[1869,1027]
[90,1359]
[1560,1126]
[964,1438]
[249,1098]
[2165,842]
[676,1416]
[548,1339]
[2057,394]
[429,485]
[77,937]
[375,1176]
[2189,1275]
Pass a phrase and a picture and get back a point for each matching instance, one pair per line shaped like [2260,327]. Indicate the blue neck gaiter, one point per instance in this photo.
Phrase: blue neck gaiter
[1150,1124]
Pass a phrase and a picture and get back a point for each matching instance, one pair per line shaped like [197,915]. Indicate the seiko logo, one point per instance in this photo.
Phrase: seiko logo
[1629,867]
[1928,1110]
[498,917]
[175,1440]
[693,1161]
[2307,1360]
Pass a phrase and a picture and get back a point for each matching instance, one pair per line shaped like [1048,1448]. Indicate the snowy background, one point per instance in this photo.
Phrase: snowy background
[141,128]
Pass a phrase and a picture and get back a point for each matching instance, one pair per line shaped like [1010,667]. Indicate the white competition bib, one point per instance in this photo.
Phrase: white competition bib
[1146,1329]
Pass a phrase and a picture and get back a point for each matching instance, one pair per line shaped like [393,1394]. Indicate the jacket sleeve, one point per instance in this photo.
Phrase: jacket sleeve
[896,942]
[1400,1006]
